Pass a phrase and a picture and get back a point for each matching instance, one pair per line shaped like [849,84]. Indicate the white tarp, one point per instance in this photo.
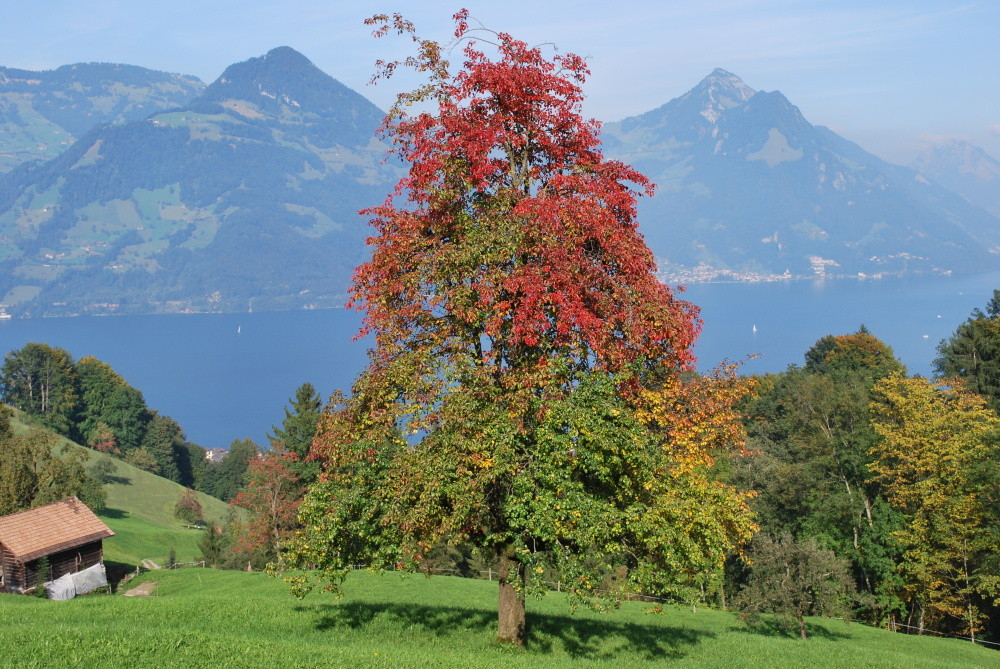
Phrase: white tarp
[69,586]
[90,578]
[61,588]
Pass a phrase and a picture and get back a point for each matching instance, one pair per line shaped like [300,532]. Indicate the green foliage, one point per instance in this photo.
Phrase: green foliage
[107,400]
[860,353]
[972,353]
[793,580]
[103,470]
[518,327]
[41,381]
[214,545]
[143,459]
[601,493]
[189,509]
[298,430]
[934,439]
[43,576]
[165,442]
[812,428]
[225,479]
[37,469]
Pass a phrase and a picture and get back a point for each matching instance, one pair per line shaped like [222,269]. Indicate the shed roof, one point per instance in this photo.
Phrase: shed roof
[48,529]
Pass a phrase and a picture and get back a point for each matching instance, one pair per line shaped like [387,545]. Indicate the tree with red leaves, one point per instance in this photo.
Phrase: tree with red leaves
[272,495]
[517,322]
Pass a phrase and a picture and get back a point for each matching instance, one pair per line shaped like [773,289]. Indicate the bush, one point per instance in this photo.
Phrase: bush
[189,509]
[794,580]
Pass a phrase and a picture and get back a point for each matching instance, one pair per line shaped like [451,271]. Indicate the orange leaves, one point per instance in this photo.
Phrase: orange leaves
[697,415]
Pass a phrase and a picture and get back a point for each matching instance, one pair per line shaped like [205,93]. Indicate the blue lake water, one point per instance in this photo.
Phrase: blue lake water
[228,376]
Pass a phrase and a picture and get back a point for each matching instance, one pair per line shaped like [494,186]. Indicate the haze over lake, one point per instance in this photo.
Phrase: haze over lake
[228,376]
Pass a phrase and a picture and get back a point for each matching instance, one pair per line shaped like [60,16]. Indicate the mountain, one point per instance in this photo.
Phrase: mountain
[245,198]
[965,169]
[748,187]
[42,113]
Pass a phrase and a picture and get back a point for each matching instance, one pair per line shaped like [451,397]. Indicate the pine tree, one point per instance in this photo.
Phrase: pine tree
[298,430]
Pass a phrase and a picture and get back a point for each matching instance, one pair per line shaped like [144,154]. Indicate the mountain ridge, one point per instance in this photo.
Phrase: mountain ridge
[241,199]
[749,189]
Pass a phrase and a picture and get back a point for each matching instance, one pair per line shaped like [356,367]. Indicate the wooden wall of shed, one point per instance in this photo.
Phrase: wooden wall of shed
[64,562]
[13,572]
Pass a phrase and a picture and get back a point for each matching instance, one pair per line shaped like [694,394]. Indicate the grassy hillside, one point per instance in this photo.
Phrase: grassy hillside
[140,511]
[208,618]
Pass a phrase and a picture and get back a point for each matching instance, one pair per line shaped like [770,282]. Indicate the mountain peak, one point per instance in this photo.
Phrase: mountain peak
[283,83]
[287,56]
[719,91]
[953,154]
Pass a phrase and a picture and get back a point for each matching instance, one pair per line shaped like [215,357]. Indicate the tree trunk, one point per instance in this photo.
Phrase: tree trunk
[512,626]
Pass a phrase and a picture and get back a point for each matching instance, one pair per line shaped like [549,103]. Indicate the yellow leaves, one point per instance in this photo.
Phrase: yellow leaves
[697,415]
[931,433]
[927,430]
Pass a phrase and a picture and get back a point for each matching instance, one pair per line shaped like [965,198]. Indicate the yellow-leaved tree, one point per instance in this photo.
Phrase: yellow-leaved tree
[932,433]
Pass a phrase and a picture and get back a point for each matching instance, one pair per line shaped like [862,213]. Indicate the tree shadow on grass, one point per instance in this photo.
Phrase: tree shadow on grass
[116,571]
[109,512]
[777,627]
[580,638]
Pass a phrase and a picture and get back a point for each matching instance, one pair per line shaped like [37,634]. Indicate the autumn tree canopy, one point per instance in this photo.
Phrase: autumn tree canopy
[529,390]
[932,437]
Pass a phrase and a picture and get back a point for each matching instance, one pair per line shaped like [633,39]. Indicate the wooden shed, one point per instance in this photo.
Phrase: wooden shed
[66,532]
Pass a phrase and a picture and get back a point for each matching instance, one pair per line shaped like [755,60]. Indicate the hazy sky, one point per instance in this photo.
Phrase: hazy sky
[890,75]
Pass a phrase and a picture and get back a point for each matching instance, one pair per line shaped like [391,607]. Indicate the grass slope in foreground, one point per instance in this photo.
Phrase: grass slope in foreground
[208,618]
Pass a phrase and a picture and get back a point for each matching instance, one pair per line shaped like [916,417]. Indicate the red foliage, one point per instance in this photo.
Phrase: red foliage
[273,495]
[518,243]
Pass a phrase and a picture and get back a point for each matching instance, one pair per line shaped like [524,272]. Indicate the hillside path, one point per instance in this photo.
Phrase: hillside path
[142,590]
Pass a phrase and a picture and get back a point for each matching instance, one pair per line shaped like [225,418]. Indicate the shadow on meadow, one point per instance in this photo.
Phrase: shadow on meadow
[110,512]
[580,638]
[776,627]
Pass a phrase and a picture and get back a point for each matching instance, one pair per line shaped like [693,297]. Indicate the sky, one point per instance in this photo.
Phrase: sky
[892,75]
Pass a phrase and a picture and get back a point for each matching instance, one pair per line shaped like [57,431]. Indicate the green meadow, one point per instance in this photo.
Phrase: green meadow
[140,511]
[208,618]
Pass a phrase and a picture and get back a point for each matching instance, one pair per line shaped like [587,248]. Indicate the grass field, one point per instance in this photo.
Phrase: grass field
[208,618]
[140,511]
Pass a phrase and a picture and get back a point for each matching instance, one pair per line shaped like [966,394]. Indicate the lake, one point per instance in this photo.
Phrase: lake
[229,376]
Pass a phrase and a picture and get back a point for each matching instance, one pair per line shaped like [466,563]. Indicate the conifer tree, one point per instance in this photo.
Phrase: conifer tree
[298,430]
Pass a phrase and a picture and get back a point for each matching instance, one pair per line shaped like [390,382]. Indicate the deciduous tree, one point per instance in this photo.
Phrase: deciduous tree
[933,436]
[812,429]
[108,400]
[41,381]
[795,579]
[517,320]
[272,495]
